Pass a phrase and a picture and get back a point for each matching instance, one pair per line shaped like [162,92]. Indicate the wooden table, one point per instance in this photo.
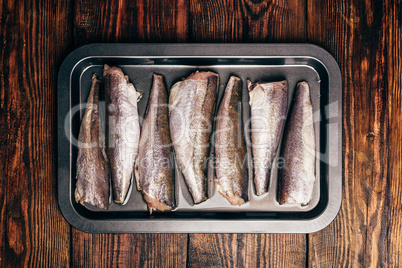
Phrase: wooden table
[363,36]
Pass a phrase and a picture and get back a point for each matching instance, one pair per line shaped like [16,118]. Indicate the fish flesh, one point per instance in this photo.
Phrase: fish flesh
[268,102]
[122,128]
[154,165]
[297,177]
[230,148]
[191,110]
[92,185]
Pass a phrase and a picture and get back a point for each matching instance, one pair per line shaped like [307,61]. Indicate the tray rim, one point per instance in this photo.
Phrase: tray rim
[198,225]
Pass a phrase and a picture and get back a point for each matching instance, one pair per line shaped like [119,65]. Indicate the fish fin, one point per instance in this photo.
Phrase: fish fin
[139,95]
[232,199]
[235,200]
[128,194]
[155,204]
[137,175]
[77,196]
[218,186]
[249,85]
[133,92]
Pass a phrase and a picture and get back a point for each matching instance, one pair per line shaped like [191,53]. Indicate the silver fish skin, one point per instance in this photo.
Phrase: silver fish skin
[154,166]
[230,148]
[92,184]
[191,110]
[123,129]
[268,102]
[297,177]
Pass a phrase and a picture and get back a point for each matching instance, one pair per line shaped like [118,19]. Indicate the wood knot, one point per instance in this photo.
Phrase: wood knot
[371,136]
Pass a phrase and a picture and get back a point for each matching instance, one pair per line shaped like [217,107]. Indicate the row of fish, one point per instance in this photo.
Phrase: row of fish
[185,118]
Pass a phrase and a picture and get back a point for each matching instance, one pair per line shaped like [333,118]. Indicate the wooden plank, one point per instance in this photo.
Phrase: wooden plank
[247,21]
[162,20]
[393,34]
[104,21]
[129,250]
[129,21]
[35,38]
[247,250]
[358,40]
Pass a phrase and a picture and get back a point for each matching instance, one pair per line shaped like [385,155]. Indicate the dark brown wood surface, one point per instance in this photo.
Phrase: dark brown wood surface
[363,36]
[35,37]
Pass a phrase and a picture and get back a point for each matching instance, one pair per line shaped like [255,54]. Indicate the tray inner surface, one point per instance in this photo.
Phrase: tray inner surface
[140,69]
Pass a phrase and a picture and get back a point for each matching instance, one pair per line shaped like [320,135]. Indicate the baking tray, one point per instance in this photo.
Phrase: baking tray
[257,62]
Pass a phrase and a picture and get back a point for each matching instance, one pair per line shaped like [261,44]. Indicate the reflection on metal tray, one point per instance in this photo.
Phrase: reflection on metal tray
[257,62]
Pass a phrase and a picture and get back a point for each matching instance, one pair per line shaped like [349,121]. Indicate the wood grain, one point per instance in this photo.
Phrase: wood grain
[129,250]
[104,21]
[129,21]
[359,40]
[393,36]
[162,21]
[35,38]
[247,21]
[363,36]
[247,250]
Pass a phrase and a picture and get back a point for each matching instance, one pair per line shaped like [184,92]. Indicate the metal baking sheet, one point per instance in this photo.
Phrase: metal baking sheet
[256,62]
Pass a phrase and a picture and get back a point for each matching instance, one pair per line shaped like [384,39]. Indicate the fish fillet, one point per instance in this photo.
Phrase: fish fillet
[154,165]
[191,109]
[92,184]
[230,147]
[297,177]
[123,129]
[268,102]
